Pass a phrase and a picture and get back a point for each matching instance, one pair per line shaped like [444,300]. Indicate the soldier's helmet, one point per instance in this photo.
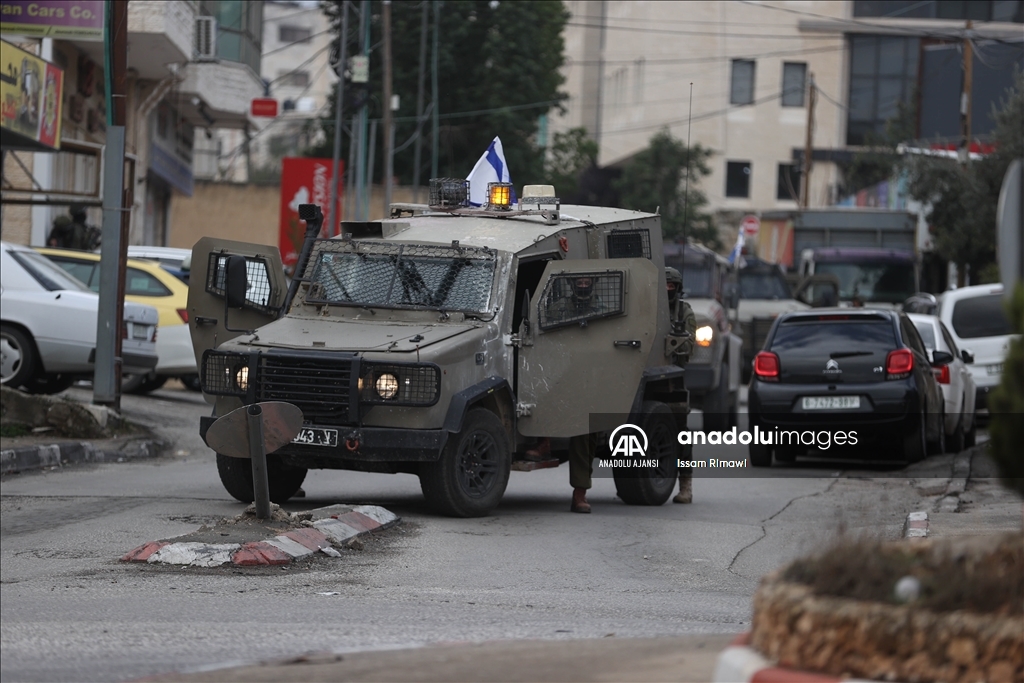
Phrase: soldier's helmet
[674,283]
[583,288]
[77,211]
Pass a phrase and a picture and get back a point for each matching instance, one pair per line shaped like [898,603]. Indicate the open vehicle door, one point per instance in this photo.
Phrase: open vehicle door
[211,320]
[820,290]
[591,327]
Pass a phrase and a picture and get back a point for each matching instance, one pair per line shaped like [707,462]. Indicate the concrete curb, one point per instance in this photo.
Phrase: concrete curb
[916,525]
[23,458]
[321,536]
[740,663]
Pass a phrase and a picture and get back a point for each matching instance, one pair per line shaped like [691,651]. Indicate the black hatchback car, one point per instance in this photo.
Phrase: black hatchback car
[845,381]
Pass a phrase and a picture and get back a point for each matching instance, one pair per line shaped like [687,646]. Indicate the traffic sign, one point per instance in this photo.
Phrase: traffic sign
[751,226]
[264,106]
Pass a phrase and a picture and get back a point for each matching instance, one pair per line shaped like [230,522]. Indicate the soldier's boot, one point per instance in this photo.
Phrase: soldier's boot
[685,494]
[579,501]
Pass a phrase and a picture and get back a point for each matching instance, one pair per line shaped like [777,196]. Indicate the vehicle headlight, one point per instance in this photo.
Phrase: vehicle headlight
[387,386]
[704,335]
[242,378]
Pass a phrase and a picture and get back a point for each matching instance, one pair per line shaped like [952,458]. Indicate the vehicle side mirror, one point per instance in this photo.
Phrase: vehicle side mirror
[236,281]
[967,356]
[941,358]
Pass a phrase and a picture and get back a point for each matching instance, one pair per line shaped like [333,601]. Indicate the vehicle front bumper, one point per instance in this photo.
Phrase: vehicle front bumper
[366,444]
[174,347]
[132,363]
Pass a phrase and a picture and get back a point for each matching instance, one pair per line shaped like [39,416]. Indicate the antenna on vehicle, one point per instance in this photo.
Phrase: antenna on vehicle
[686,192]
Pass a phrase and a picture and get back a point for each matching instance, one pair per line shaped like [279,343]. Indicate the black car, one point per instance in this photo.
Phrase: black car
[845,381]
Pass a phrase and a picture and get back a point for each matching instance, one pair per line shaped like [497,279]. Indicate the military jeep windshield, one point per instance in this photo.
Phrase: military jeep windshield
[388,275]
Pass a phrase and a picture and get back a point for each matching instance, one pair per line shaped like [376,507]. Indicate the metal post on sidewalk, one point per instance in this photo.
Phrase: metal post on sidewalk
[258,454]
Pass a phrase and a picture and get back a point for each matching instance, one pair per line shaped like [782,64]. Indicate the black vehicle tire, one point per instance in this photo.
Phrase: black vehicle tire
[716,404]
[760,455]
[971,435]
[470,477]
[956,441]
[19,357]
[938,446]
[192,382]
[142,384]
[236,476]
[52,383]
[914,447]
[652,486]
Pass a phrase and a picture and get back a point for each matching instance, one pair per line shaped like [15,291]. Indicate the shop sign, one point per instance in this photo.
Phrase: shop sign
[303,181]
[68,19]
[31,93]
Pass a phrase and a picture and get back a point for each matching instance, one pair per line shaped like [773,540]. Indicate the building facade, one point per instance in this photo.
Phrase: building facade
[630,66]
[192,68]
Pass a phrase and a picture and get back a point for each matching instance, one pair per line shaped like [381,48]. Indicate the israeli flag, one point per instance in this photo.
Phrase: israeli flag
[736,256]
[490,168]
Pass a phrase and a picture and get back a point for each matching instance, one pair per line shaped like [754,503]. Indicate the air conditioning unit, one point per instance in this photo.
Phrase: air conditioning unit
[206,39]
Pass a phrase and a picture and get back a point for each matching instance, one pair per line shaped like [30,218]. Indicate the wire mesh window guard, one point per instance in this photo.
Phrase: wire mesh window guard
[629,244]
[257,295]
[574,298]
[374,273]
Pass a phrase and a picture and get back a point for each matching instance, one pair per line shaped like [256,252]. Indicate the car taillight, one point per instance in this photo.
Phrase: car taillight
[899,363]
[942,374]
[766,366]
[183,314]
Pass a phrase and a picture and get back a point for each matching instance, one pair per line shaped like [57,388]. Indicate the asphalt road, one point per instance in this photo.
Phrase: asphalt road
[71,612]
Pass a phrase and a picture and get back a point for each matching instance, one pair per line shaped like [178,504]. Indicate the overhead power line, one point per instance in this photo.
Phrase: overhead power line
[714,58]
[682,32]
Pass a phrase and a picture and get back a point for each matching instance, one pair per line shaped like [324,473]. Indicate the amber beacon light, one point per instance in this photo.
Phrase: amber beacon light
[499,196]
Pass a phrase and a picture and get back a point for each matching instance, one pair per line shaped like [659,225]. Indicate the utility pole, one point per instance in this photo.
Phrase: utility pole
[965,97]
[114,255]
[333,221]
[436,132]
[417,155]
[812,98]
[364,48]
[389,137]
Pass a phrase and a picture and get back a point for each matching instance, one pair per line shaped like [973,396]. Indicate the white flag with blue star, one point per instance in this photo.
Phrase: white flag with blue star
[736,256]
[491,168]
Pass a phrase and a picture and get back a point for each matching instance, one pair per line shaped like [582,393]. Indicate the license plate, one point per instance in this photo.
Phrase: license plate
[830,402]
[315,436]
[140,332]
[996,369]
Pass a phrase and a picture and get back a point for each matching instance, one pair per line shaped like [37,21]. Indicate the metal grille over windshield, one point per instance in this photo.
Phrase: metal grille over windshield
[371,273]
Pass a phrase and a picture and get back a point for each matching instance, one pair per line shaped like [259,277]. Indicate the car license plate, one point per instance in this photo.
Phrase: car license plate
[830,402]
[140,332]
[315,436]
[996,369]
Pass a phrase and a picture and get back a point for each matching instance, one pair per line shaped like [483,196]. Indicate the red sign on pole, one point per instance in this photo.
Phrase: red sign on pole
[305,181]
[264,106]
[751,226]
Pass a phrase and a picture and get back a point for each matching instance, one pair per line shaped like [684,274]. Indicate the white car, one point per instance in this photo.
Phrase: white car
[48,325]
[976,318]
[954,379]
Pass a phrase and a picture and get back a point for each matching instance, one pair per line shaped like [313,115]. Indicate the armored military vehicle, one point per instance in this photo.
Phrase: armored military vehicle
[444,341]
[713,370]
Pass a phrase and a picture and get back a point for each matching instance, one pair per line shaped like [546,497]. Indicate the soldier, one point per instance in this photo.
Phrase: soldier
[684,323]
[74,232]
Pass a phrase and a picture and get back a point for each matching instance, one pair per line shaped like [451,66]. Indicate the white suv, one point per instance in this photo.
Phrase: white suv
[976,317]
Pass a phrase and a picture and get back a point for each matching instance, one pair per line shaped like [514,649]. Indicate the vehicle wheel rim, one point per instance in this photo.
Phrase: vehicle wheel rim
[10,359]
[477,464]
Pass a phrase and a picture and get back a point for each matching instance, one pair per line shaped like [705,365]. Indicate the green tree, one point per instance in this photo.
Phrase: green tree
[964,197]
[655,177]
[571,153]
[500,58]
[879,161]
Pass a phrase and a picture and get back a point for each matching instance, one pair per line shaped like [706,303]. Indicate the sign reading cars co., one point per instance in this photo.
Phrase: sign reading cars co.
[78,19]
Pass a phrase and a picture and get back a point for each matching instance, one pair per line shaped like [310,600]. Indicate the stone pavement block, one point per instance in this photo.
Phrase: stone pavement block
[311,538]
[336,530]
[383,516]
[292,548]
[195,554]
[258,553]
[142,553]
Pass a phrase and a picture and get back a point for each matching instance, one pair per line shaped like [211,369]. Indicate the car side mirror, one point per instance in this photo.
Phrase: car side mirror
[236,281]
[941,358]
[967,356]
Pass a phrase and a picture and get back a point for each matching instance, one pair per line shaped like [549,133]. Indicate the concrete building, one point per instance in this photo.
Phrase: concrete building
[192,69]
[630,65]
[297,41]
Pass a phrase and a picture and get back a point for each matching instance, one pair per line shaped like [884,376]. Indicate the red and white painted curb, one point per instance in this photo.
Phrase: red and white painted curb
[739,663]
[916,525]
[282,549]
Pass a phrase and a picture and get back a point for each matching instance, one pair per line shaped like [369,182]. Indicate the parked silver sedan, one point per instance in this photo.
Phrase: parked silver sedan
[954,379]
[48,325]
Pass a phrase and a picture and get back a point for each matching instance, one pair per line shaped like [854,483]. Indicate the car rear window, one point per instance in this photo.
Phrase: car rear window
[980,316]
[831,336]
[927,332]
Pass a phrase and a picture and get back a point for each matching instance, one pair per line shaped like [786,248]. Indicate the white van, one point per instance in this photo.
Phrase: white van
[976,317]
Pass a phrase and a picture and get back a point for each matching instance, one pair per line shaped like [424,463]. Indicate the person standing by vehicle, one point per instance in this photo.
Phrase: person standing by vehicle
[74,232]
[684,324]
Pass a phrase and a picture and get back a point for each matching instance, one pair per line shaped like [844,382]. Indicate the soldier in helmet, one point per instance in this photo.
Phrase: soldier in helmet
[684,324]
